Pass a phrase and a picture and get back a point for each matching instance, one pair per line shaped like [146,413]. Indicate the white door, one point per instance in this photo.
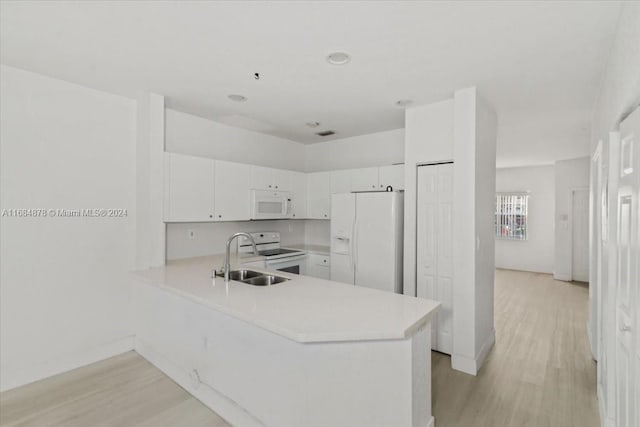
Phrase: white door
[434,261]
[343,216]
[627,273]
[580,235]
[375,241]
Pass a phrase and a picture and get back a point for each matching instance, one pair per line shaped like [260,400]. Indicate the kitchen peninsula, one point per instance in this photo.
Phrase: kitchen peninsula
[306,352]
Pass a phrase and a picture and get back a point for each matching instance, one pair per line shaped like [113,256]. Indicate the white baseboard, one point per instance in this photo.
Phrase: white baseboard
[13,377]
[219,403]
[605,420]
[432,422]
[472,366]
[591,346]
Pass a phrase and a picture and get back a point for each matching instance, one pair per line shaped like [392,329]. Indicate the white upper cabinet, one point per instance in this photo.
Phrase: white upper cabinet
[189,188]
[299,194]
[264,178]
[319,195]
[341,181]
[364,179]
[232,197]
[391,176]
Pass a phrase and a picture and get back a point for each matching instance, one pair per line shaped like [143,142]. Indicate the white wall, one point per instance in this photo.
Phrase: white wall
[486,124]
[317,232]
[535,253]
[569,175]
[374,149]
[188,134]
[462,129]
[64,292]
[210,238]
[428,138]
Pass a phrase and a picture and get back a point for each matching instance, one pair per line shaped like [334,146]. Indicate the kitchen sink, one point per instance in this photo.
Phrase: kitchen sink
[241,274]
[253,277]
[265,280]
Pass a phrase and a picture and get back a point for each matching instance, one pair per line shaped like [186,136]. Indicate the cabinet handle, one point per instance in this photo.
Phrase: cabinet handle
[210,216]
[381,186]
[373,186]
[219,216]
[324,260]
[325,215]
[269,186]
[276,186]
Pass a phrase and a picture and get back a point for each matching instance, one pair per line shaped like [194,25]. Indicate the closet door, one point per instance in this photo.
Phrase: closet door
[434,261]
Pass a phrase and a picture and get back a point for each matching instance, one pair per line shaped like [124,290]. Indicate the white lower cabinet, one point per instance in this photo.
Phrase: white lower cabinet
[318,266]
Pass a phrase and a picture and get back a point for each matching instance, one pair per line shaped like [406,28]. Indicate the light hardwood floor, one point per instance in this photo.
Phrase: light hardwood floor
[540,373]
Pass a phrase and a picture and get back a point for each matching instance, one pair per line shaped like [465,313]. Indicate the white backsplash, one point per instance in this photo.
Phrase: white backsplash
[317,232]
[210,238]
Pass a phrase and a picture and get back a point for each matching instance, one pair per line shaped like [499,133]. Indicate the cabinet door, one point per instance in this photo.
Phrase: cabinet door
[319,195]
[391,175]
[318,266]
[341,181]
[232,197]
[189,188]
[281,179]
[365,179]
[299,193]
[261,178]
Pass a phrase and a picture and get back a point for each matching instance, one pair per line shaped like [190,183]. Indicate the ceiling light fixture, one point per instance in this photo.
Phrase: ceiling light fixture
[237,98]
[313,124]
[404,102]
[338,58]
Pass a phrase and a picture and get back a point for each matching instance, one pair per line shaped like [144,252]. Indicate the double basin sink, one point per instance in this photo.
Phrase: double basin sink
[253,277]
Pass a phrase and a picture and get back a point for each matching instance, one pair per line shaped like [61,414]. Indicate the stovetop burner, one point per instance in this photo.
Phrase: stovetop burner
[274,252]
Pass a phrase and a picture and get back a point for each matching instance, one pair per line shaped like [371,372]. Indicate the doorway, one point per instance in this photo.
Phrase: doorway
[580,235]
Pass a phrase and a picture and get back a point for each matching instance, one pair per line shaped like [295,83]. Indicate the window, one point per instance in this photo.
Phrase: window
[511,216]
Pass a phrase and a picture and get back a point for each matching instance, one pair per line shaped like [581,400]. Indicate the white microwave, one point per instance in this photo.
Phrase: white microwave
[268,204]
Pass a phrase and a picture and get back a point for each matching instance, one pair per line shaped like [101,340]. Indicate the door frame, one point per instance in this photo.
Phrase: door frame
[572,191]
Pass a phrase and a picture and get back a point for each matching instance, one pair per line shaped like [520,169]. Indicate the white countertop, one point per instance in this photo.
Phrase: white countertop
[303,309]
[314,249]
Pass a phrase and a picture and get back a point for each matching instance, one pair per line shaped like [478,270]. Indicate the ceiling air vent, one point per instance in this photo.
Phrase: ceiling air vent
[326,133]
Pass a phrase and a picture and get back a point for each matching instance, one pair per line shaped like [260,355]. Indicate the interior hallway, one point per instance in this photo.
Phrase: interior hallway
[540,373]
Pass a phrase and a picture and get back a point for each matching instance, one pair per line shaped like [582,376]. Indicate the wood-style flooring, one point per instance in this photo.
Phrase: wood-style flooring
[539,373]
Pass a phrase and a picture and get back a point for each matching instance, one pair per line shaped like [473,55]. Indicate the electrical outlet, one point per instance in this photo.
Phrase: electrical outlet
[191,234]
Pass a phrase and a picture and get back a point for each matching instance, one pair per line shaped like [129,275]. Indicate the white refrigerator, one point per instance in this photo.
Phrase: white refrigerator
[366,239]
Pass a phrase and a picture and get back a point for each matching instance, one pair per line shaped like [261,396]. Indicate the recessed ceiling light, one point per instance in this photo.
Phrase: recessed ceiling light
[338,58]
[404,102]
[237,98]
[313,124]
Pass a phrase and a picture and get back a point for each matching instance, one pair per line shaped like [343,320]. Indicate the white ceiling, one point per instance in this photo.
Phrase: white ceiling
[538,63]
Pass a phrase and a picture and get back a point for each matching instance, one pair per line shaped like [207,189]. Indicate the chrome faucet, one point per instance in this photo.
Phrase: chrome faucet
[227,261]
